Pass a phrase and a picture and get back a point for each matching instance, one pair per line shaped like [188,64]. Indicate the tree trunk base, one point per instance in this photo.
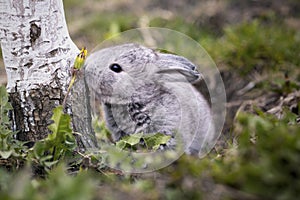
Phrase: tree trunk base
[31,116]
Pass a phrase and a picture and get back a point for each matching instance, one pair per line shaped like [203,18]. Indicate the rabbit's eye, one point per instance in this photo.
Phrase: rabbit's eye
[115,68]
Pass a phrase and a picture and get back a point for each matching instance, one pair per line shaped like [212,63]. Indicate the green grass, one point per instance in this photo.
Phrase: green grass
[266,159]
[255,46]
[180,25]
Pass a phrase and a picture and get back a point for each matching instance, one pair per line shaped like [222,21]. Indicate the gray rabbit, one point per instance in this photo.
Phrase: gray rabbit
[142,90]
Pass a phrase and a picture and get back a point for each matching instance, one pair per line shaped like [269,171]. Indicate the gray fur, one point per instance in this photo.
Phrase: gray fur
[152,94]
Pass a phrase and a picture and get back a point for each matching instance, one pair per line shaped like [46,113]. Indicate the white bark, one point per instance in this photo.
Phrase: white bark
[35,43]
[38,54]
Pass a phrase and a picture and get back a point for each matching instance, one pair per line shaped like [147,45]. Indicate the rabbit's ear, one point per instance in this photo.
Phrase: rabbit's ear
[177,68]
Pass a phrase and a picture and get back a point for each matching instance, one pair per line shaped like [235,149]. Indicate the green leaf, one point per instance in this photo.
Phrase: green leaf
[154,141]
[61,123]
[38,149]
[6,154]
[51,163]
[129,141]
[56,145]
[121,144]
[46,159]
[9,146]
[4,107]
[132,139]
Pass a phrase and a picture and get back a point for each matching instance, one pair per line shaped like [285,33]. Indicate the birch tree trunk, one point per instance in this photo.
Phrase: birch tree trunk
[38,55]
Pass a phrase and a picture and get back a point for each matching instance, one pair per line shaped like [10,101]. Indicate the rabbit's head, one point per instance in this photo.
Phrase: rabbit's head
[115,73]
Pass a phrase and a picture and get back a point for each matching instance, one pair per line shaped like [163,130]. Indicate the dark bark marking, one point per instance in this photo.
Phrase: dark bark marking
[35,33]
[28,65]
